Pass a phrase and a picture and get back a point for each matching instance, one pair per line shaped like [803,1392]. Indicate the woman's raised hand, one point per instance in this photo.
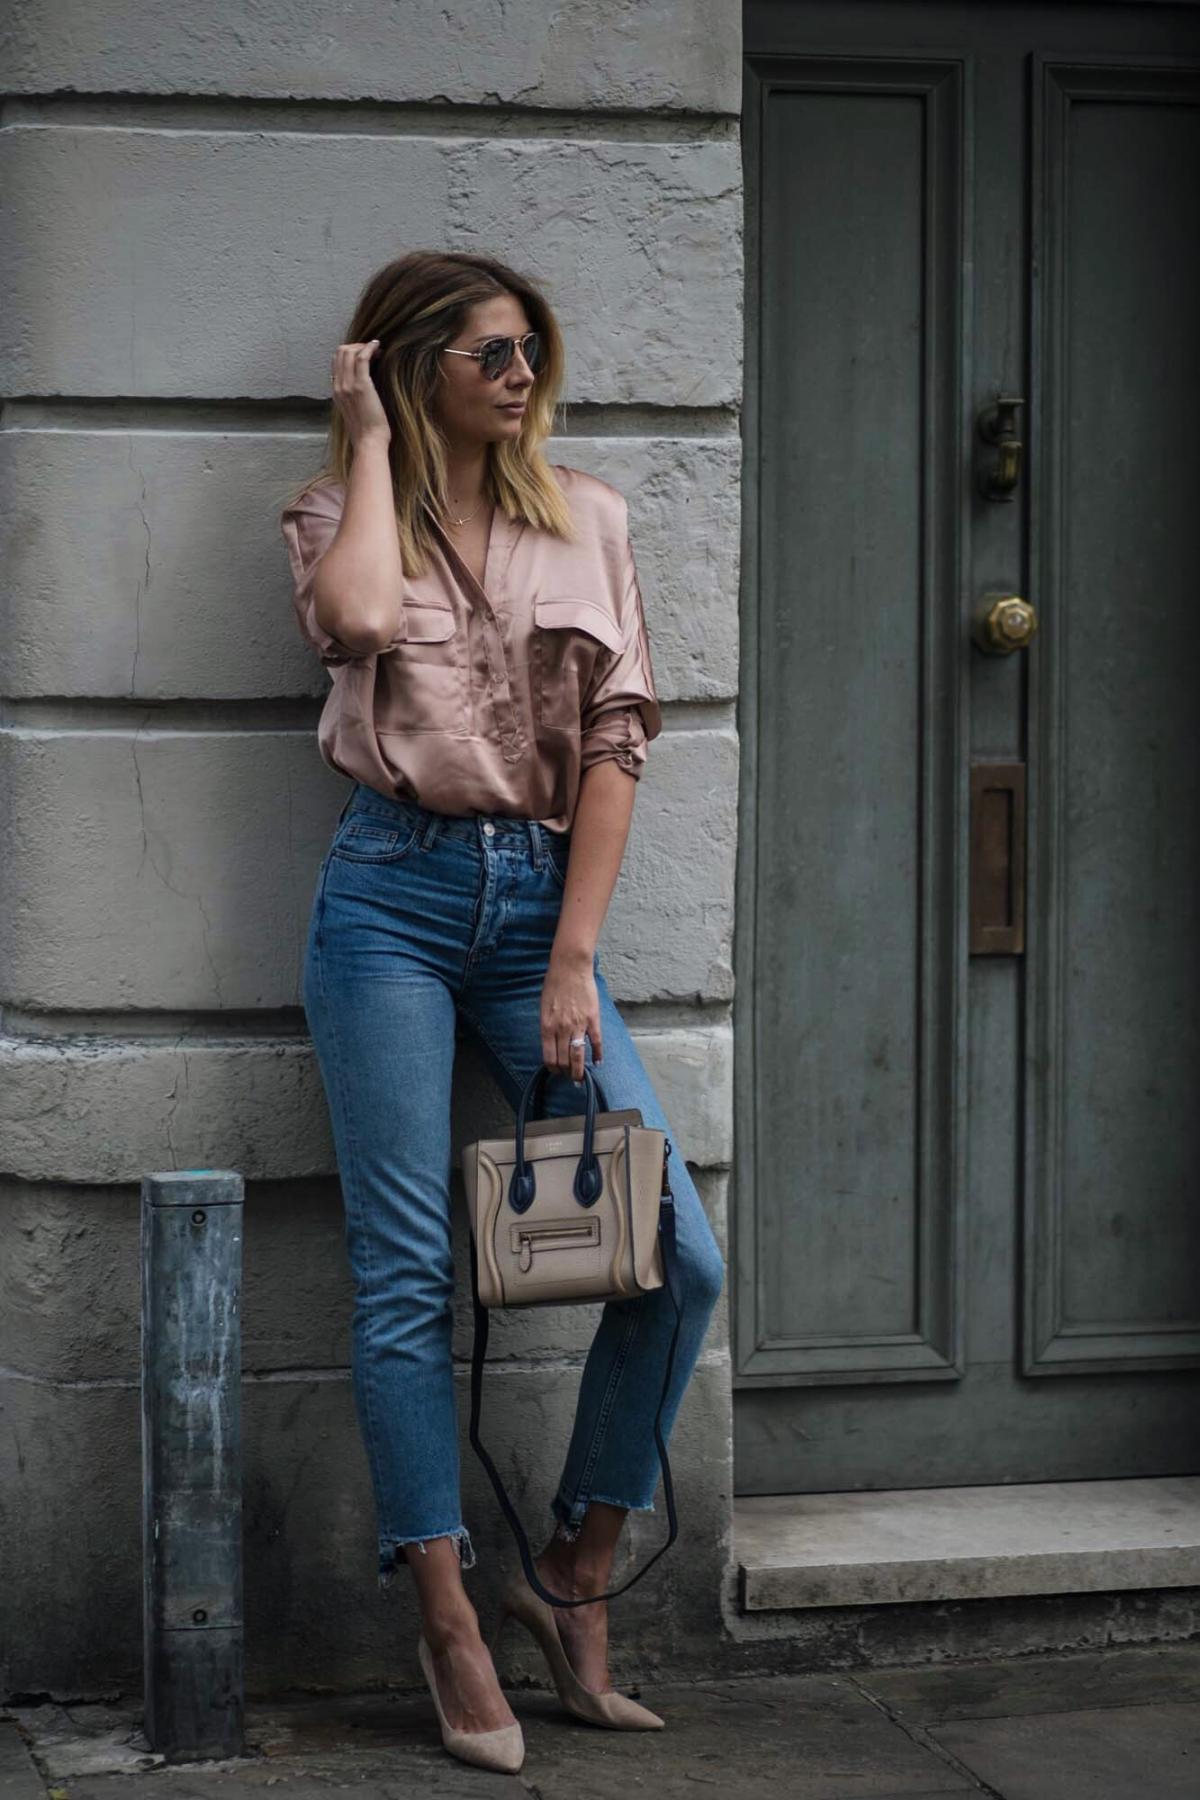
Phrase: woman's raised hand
[355,394]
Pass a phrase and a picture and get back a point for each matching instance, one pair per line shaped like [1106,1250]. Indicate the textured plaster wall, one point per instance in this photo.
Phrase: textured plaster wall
[188,206]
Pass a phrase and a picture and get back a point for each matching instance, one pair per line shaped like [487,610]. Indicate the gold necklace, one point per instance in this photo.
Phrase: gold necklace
[468,518]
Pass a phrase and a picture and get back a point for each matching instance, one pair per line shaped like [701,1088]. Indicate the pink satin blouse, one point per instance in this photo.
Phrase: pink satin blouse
[492,698]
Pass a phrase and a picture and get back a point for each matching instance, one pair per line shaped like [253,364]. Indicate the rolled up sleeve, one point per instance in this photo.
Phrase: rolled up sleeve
[620,712]
[309,527]
[618,737]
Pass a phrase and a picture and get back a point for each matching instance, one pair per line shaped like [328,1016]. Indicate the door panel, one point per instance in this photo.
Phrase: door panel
[963,1178]
[856,843]
[1114,978]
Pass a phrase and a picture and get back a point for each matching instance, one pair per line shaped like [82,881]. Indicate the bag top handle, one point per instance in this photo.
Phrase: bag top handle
[589,1180]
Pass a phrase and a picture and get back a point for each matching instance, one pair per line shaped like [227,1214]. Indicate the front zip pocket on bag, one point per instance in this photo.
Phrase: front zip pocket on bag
[554,1234]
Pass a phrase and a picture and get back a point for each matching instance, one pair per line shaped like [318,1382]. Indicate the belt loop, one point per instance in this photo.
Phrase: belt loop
[433,825]
[535,840]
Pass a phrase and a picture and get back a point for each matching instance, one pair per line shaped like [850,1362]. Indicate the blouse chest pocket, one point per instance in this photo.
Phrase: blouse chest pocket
[571,634]
[424,672]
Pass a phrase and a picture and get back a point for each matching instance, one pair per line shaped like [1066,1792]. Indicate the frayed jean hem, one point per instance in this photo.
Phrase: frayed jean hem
[570,1515]
[391,1553]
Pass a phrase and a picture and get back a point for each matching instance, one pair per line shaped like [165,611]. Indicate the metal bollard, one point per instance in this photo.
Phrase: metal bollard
[192,1626]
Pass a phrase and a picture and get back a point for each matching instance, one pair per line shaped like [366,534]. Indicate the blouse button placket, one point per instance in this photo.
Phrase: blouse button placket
[512,744]
[500,546]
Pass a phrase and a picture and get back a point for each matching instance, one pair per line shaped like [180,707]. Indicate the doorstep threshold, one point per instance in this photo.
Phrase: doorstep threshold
[902,1545]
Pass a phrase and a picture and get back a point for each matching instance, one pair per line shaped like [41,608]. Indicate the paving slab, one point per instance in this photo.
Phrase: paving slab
[72,1741]
[811,1737]
[788,1739]
[19,1779]
[1117,1725]
[1121,1753]
[1065,1682]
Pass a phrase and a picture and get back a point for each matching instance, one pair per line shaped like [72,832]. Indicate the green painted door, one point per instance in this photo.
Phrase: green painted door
[967,1191]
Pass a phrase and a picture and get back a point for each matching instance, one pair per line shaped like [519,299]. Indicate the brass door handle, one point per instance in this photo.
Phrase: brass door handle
[1003,623]
[998,425]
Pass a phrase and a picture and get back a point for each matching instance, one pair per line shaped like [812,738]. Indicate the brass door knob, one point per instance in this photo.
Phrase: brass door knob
[1003,623]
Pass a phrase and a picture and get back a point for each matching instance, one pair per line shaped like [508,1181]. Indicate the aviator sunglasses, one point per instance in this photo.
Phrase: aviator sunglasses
[495,356]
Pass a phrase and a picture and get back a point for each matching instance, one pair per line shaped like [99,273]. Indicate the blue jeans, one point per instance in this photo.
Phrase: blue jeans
[421,919]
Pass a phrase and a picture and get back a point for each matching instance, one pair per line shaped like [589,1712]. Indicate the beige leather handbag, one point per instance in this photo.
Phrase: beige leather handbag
[569,1210]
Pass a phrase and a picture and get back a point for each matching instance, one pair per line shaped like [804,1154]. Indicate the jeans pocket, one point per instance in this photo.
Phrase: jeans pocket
[556,857]
[363,839]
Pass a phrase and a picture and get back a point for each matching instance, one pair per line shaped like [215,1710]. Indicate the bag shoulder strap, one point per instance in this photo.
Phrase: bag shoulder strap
[666,1231]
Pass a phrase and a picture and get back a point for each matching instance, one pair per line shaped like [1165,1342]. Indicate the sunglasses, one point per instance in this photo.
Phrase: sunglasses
[496,355]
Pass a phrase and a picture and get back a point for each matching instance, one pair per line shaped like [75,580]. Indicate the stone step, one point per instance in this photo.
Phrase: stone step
[966,1543]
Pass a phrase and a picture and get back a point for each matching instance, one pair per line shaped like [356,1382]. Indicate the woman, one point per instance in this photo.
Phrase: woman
[493,698]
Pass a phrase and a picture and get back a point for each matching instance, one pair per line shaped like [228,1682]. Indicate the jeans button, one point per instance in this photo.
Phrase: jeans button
[490,829]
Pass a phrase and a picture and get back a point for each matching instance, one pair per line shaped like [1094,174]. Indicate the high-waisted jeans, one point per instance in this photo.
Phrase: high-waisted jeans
[421,919]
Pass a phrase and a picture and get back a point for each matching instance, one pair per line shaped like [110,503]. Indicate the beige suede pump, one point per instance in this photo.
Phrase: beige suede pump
[503,1749]
[608,1708]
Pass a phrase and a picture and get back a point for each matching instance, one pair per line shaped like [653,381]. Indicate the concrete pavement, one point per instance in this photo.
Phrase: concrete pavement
[1120,1724]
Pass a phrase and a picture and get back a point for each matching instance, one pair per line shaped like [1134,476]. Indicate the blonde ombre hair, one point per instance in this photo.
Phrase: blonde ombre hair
[415,306]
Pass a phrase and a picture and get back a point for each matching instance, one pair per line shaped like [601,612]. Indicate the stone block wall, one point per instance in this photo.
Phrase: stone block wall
[188,206]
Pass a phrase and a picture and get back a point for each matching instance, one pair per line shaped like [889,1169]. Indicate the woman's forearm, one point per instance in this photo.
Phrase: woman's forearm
[359,583]
[599,831]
